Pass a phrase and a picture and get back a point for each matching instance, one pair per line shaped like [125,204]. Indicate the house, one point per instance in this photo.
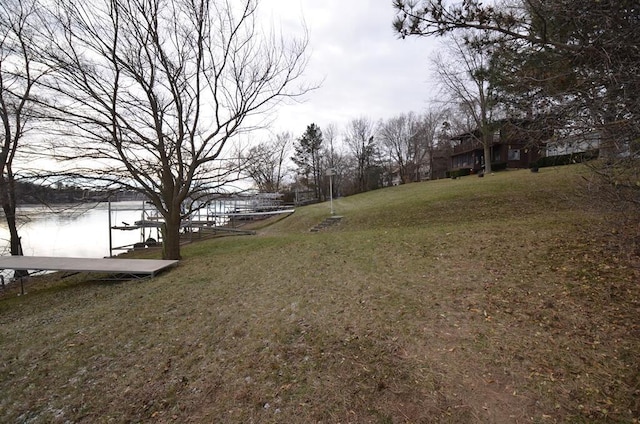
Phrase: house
[414,173]
[615,140]
[513,144]
[573,144]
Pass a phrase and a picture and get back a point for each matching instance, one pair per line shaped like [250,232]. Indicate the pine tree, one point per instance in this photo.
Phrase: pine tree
[307,158]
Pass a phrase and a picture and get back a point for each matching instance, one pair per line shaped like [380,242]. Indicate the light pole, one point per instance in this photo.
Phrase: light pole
[330,174]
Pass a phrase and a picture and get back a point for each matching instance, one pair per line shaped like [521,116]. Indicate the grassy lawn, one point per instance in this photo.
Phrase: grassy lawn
[509,298]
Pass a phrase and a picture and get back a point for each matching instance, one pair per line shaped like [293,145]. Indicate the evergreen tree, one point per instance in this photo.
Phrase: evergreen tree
[307,158]
[575,60]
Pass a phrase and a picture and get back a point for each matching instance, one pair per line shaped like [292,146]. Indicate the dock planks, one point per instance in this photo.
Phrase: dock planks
[138,268]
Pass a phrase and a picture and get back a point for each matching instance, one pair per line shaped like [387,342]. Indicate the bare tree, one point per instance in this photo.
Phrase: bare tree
[360,140]
[464,76]
[19,72]
[265,162]
[410,141]
[330,135]
[149,93]
[429,143]
[336,159]
[395,135]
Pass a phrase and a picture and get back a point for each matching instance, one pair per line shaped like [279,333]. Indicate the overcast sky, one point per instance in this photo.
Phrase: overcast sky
[365,69]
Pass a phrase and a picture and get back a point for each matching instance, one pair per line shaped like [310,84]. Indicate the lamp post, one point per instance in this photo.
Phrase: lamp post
[330,173]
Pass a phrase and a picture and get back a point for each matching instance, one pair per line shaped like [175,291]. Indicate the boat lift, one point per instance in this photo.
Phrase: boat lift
[218,218]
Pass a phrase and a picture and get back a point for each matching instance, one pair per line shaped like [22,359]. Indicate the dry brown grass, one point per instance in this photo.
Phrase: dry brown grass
[503,299]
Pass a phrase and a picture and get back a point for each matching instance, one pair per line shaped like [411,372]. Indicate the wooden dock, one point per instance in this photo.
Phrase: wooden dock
[129,268]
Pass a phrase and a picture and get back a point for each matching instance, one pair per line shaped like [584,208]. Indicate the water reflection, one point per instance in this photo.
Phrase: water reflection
[73,230]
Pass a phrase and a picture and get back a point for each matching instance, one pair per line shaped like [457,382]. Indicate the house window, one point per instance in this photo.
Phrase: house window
[514,154]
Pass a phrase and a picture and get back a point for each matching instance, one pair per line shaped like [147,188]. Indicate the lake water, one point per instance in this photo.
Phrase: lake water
[83,230]
[74,230]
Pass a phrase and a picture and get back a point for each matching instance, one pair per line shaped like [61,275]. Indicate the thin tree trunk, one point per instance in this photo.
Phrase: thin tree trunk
[15,243]
[9,208]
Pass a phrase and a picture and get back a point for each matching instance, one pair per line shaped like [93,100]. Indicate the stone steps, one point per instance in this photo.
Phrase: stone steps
[328,222]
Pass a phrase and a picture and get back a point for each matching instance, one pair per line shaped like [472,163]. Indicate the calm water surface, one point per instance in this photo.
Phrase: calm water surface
[74,230]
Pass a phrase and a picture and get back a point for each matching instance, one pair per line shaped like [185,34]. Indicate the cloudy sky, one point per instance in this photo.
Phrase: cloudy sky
[364,68]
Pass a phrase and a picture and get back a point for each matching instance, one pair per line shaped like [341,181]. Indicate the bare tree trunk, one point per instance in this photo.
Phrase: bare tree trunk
[171,238]
[9,207]
[486,144]
[171,241]
[17,78]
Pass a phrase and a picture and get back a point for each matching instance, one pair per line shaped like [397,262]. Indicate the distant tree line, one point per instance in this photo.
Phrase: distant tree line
[28,193]
[563,68]
[365,155]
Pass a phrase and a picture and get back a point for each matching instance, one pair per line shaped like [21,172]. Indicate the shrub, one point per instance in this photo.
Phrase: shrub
[458,173]
[498,166]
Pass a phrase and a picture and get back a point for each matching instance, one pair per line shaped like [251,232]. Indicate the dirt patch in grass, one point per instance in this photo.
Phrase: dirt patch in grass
[513,307]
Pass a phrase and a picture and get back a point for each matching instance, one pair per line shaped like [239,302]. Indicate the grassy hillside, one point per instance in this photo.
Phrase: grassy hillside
[509,298]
